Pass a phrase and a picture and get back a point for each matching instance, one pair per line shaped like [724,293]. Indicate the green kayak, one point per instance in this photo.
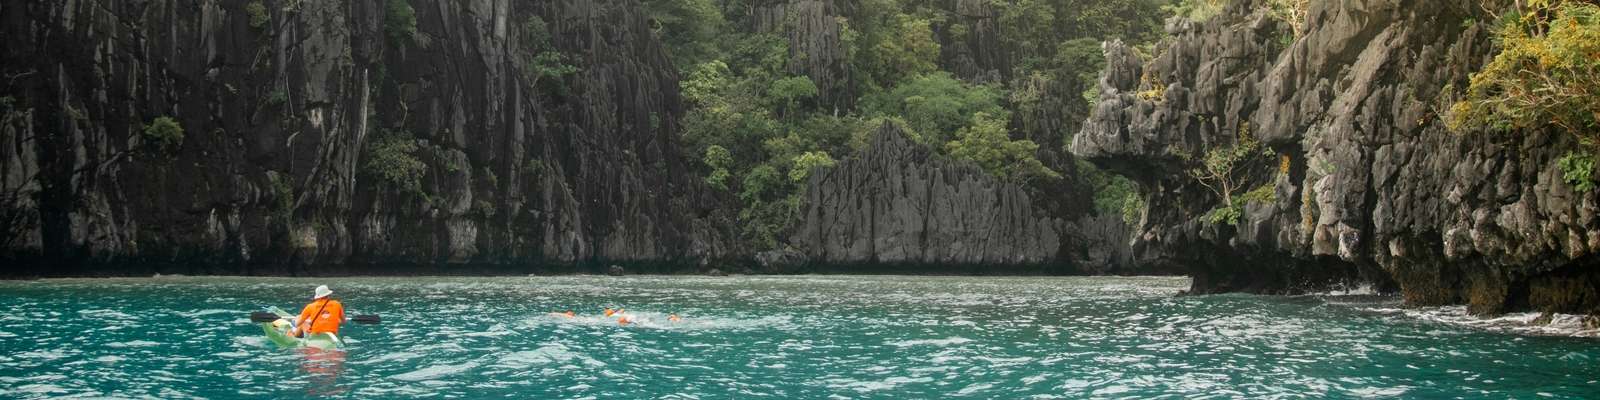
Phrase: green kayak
[278,333]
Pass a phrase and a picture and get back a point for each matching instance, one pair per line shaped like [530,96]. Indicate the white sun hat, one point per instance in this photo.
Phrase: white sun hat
[322,291]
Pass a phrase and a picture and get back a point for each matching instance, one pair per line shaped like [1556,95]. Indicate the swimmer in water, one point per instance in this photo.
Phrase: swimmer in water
[568,314]
[674,318]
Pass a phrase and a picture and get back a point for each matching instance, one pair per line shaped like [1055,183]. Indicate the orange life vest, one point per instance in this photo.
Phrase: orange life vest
[329,315]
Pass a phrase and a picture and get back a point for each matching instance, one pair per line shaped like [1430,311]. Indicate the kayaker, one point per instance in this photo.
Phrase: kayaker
[323,315]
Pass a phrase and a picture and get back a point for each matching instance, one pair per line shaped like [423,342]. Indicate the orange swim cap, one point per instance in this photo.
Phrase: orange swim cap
[674,318]
[570,314]
[623,321]
[609,311]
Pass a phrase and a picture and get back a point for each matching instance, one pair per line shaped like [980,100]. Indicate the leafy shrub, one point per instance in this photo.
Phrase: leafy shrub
[277,97]
[282,194]
[258,14]
[1196,10]
[787,91]
[719,159]
[1578,170]
[988,144]
[1264,194]
[392,159]
[810,161]
[1547,73]
[165,133]
[400,21]
[936,105]
[543,61]
[1291,12]
[1155,91]
[1229,215]
[484,209]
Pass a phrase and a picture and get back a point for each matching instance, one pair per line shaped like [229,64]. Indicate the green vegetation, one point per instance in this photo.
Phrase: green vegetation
[1226,170]
[1578,170]
[761,125]
[987,144]
[1291,12]
[1197,10]
[810,161]
[400,21]
[258,14]
[936,105]
[282,195]
[1547,73]
[1113,194]
[391,158]
[542,61]
[718,159]
[165,133]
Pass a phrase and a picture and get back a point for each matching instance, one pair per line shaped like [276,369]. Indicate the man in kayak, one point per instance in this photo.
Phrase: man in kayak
[323,315]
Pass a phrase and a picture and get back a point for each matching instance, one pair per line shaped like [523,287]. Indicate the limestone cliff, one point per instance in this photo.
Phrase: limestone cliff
[283,103]
[897,202]
[1367,184]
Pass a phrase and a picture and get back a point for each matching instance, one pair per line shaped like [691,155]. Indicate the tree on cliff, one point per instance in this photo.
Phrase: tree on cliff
[1226,171]
[1547,73]
[987,144]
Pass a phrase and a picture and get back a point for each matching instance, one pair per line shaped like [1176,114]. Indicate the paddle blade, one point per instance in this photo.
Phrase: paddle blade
[263,317]
[365,319]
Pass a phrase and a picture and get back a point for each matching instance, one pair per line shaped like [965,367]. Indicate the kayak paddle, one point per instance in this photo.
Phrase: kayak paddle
[264,317]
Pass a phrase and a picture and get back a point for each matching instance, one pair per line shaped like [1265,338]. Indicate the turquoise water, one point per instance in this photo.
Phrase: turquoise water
[761,337]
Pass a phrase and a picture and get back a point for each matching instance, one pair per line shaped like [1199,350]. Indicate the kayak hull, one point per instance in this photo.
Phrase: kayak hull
[278,333]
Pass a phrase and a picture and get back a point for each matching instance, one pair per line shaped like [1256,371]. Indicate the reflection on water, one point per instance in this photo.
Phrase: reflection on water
[322,368]
[762,337]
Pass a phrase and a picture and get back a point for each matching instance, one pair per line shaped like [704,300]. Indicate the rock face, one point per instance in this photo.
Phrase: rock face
[896,202]
[1367,184]
[977,54]
[816,49]
[282,109]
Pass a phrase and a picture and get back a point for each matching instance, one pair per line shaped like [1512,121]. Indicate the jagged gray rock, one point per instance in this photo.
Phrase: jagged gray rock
[898,202]
[280,119]
[1369,185]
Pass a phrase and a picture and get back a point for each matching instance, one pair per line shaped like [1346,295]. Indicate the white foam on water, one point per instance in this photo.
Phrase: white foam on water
[874,386]
[435,371]
[202,313]
[388,358]
[105,314]
[950,341]
[133,343]
[974,388]
[1522,323]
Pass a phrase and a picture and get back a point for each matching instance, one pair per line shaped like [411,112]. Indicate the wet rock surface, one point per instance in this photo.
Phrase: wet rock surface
[1367,184]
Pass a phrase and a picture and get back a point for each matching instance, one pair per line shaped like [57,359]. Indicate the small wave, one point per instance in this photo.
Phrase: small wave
[950,341]
[1522,323]
[133,343]
[435,372]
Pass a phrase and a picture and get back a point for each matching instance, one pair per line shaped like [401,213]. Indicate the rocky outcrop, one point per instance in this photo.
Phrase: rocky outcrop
[282,108]
[817,50]
[1367,184]
[897,202]
[970,45]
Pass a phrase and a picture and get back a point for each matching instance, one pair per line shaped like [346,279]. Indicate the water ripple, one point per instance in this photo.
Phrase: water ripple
[772,337]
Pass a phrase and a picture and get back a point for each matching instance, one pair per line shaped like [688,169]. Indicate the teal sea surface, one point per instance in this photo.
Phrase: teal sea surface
[763,337]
